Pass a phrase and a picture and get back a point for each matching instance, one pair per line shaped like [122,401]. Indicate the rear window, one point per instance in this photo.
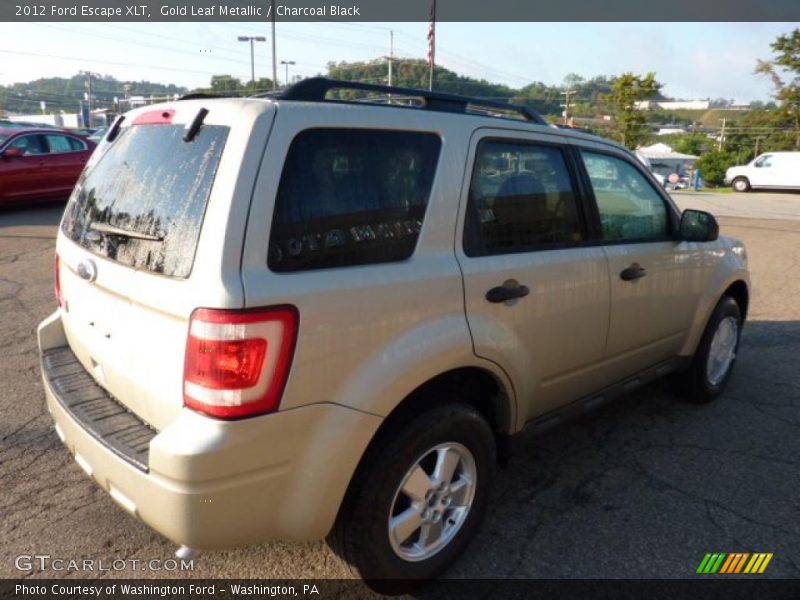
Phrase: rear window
[351,197]
[142,203]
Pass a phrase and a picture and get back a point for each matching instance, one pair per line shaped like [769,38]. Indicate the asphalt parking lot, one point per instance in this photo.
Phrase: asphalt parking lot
[642,488]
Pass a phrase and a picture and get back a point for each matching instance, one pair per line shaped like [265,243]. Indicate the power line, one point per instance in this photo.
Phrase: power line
[85,59]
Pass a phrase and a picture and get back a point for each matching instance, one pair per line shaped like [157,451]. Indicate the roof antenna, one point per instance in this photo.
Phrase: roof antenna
[197,123]
[113,132]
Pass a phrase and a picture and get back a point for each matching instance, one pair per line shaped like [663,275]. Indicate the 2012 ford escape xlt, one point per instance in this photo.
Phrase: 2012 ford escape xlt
[293,317]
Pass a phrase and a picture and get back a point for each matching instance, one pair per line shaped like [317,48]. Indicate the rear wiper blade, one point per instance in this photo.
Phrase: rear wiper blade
[110,229]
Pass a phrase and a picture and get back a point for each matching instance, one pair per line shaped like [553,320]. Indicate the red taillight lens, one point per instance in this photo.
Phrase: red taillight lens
[224,364]
[237,362]
[59,297]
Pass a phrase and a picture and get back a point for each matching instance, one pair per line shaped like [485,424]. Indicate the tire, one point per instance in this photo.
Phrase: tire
[741,184]
[714,360]
[451,433]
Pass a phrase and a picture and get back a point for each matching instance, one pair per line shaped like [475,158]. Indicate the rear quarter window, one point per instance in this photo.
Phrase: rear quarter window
[351,197]
[153,185]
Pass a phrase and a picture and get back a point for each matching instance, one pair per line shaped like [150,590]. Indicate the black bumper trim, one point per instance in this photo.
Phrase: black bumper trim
[95,410]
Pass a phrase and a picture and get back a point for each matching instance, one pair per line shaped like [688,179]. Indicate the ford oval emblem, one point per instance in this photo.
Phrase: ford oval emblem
[87,270]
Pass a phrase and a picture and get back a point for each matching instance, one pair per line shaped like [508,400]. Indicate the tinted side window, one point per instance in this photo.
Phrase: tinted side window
[29,144]
[351,197]
[521,198]
[59,143]
[630,209]
[76,144]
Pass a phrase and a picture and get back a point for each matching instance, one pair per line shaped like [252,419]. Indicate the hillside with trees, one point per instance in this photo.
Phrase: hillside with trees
[66,94]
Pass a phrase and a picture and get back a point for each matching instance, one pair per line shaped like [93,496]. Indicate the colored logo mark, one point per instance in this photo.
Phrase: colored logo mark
[735,562]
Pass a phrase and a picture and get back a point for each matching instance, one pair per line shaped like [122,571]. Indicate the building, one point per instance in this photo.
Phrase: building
[670,130]
[674,104]
[665,160]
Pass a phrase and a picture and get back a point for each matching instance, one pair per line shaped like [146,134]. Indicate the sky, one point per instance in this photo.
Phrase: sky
[692,60]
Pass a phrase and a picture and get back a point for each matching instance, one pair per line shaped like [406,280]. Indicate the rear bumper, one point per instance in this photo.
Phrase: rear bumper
[212,484]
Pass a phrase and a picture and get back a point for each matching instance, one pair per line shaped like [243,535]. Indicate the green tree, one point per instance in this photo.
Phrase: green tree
[713,165]
[784,70]
[626,91]
[689,143]
[225,83]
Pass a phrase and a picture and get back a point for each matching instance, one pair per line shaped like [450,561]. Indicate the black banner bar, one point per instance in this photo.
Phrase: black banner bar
[397,10]
[731,587]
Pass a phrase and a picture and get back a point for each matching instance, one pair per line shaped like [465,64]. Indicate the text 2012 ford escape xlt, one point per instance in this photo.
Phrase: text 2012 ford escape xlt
[292,317]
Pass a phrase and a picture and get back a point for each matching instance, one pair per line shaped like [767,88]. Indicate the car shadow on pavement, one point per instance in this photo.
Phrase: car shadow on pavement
[42,215]
[645,486]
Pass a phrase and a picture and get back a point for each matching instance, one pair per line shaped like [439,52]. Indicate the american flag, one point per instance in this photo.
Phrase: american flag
[432,35]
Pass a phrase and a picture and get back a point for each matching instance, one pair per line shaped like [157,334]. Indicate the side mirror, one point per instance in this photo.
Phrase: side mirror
[12,153]
[698,226]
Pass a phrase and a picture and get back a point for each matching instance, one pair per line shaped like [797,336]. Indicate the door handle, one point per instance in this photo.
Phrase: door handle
[510,290]
[632,273]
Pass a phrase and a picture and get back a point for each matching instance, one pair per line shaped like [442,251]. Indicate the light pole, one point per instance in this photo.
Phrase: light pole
[287,63]
[251,39]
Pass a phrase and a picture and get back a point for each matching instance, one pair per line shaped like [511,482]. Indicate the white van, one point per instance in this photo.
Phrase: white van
[770,170]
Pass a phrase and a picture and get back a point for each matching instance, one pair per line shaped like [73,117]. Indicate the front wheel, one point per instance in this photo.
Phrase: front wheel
[741,184]
[418,498]
[713,362]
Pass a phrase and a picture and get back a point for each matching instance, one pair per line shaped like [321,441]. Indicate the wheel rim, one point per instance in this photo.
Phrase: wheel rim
[740,185]
[432,502]
[723,350]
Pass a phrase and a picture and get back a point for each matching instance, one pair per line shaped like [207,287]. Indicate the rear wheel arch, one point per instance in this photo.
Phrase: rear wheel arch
[473,386]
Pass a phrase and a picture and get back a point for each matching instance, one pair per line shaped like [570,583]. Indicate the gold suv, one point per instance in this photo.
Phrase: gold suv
[292,317]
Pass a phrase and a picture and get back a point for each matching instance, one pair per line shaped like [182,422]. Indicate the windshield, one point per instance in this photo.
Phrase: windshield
[142,203]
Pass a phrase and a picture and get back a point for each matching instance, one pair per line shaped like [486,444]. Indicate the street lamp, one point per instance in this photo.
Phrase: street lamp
[287,63]
[251,39]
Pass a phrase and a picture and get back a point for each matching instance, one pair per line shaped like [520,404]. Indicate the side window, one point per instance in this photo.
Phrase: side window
[630,209]
[76,145]
[59,143]
[30,145]
[764,161]
[351,197]
[520,198]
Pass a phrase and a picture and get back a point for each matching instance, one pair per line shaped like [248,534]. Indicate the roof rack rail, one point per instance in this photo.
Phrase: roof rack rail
[205,95]
[315,89]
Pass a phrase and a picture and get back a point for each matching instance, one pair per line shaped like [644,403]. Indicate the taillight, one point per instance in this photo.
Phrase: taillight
[237,361]
[59,297]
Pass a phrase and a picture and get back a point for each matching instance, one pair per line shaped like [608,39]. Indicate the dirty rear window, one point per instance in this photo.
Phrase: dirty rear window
[142,203]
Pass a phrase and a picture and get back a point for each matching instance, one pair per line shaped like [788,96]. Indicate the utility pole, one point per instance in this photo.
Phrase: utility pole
[89,95]
[390,58]
[758,139]
[567,105]
[721,137]
[274,55]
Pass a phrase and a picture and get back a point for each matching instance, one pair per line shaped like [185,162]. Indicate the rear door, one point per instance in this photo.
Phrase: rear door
[536,288]
[67,156]
[27,177]
[133,263]
[656,280]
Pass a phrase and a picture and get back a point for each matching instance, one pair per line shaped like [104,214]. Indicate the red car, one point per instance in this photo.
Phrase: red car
[40,164]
